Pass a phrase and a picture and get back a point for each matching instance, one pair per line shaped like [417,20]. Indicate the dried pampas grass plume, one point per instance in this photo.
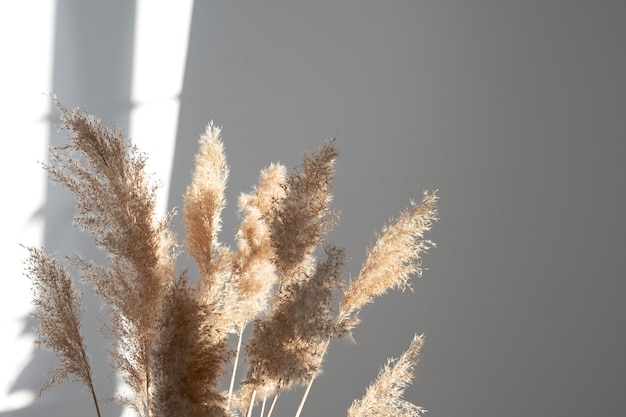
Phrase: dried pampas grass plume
[172,334]
[384,395]
[58,310]
[392,260]
[204,200]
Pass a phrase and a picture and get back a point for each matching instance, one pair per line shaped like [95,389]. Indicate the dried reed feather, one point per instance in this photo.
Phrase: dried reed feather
[287,348]
[254,262]
[188,356]
[302,217]
[278,354]
[253,266]
[383,397]
[58,309]
[391,261]
[204,200]
[116,205]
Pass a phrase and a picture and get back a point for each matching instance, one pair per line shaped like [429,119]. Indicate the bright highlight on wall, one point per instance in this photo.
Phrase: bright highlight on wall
[160,52]
[27,38]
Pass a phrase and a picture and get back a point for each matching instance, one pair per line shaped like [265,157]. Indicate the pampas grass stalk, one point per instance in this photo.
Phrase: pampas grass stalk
[304,397]
[281,280]
[58,309]
[392,260]
[234,373]
[116,205]
[251,402]
[384,396]
[204,200]
[274,400]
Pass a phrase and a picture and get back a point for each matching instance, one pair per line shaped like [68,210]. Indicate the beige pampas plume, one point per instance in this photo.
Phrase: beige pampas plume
[302,217]
[58,308]
[204,200]
[188,356]
[253,264]
[383,397]
[392,260]
[254,261]
[287,348]
[116,205]
[282,351]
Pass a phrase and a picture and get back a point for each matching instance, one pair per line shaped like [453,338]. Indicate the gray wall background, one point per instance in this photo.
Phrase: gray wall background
[515,111]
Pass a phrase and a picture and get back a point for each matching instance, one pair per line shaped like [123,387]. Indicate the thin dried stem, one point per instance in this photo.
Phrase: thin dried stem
[263,406]
[304,397]
[232,378]
[251,403]
[269,413]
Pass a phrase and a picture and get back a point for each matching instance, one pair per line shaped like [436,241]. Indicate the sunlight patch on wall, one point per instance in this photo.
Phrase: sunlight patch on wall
[160,52]
[27,38]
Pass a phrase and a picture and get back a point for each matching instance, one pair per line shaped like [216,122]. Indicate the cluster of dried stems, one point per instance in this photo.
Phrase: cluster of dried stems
[171,336]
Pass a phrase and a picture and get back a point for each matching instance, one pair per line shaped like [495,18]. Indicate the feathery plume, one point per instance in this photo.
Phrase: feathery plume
[116,205]
[188,356]
[392,260]
[253,263]
[384,396]
[302,217]
[58,309]
[297,223]
[204,200]
[287,348]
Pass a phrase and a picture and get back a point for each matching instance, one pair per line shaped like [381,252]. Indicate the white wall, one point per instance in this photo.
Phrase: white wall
[513,110]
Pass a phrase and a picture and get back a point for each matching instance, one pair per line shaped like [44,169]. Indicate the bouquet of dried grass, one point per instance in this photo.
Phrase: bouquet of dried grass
[172,336]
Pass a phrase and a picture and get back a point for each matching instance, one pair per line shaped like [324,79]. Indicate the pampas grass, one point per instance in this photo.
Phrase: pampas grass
[172,334]
[384,396]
